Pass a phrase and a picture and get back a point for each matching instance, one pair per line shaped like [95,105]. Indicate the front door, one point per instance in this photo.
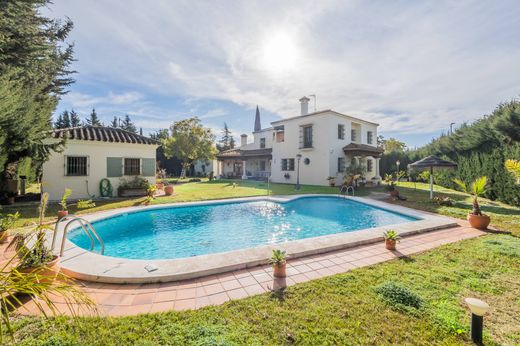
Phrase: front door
[237,168]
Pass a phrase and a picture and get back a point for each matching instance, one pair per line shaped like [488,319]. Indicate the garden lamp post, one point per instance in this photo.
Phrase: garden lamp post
[397,163]
[478,310]
[298,158]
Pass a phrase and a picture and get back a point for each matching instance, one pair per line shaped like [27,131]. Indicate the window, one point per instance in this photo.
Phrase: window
[307,136]
[341,164]
[290,165]
[262,143]
[353,135]
[280,137]
[341,131]
[132,167]
[262,166]
[76,166]
[369,165]
[287,164]
[370,137]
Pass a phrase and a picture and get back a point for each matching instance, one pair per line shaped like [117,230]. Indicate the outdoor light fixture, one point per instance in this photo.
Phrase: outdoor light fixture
[297,187]
[478,310]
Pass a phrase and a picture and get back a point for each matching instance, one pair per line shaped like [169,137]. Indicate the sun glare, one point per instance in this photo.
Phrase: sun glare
[279,53]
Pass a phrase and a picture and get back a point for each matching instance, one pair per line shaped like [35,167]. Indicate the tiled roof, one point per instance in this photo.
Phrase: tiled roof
[101,134]
[239,153]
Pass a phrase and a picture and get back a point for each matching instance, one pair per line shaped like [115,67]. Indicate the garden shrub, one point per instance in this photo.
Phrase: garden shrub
[399,296]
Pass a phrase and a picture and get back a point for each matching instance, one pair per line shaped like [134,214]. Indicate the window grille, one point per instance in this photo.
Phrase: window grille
[132,166]
[76,166]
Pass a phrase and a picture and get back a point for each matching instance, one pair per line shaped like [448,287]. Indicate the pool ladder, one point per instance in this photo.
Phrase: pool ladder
[85,226]
[345,189]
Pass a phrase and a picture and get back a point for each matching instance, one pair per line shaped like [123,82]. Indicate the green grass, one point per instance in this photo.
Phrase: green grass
[503,216]
[342,309]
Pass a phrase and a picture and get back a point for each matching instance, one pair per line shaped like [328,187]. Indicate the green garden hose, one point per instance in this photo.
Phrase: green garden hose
[105,188]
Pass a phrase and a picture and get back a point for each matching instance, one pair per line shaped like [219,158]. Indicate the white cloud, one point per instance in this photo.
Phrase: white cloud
[414,67]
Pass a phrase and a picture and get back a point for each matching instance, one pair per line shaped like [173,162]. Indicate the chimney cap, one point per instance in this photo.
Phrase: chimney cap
[243,135]
[305,98]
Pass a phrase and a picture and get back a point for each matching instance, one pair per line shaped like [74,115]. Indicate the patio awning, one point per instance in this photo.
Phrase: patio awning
[362,150]
[245,154]
[431,162]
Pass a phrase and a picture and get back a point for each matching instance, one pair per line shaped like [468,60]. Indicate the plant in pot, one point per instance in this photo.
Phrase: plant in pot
[477,189]
[168,190]
[81,204]
[279,261]
[6,222]
[390,186]
[34,255]
[150,194]
[391,238]
[332,181]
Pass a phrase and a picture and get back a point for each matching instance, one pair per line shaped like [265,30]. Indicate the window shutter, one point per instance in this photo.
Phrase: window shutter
[65,165]
[114,167]
[148,167]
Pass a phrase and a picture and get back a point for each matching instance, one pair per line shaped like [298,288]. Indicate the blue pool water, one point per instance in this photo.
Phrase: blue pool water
[196,230]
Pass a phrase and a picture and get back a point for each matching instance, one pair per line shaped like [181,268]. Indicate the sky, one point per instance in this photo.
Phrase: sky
[414,67]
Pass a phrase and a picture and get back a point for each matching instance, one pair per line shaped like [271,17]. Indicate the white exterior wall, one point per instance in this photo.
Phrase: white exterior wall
[209,166]
[267,134]
[55,181]
[327,148]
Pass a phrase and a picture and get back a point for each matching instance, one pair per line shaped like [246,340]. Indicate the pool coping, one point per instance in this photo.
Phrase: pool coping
[85,265]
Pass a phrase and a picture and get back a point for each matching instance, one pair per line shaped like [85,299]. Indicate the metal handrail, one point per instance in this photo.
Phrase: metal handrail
[344,190]
[85,226]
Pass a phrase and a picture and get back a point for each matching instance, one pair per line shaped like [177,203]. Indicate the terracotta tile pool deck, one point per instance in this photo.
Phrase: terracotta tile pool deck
[132,299]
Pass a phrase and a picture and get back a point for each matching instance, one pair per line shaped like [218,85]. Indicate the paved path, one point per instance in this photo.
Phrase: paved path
[119,300]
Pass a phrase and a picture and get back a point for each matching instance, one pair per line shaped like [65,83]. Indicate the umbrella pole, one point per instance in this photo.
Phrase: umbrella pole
[431,182]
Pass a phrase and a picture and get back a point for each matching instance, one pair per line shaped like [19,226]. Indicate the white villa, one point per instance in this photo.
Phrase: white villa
[321,143]
[93,153]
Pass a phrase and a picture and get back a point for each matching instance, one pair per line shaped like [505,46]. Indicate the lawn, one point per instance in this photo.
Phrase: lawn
[341,309]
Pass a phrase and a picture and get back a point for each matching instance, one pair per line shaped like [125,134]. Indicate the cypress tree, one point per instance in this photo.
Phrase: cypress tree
[75,121]
[66,120]
[114,123]
[93,119]
[128,125]
[33,75]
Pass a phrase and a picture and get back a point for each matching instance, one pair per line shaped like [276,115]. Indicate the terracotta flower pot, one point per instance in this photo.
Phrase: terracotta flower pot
[168,190]
[479,221]
[332,184]
[47,273]
[394,193]
[390,244]
[3,236]
[62,213]
[280,270]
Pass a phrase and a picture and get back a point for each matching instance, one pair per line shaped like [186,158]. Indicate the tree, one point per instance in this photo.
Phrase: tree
[93,120]
[33,75]
[227,141]
[189,141]
[392,144]
[128,125]
[58,124]
[115,123]
[74,119]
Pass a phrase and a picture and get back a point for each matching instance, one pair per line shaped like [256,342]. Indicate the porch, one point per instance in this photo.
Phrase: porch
[245,164]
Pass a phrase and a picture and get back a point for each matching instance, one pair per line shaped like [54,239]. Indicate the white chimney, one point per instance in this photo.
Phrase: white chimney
[243,140]
[304,101]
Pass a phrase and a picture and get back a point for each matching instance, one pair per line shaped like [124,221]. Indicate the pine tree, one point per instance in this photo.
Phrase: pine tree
[34,63]
[75,121]
[115,123]
[58,124]
[128,125]
[66,120]
[93,120]
[226,141]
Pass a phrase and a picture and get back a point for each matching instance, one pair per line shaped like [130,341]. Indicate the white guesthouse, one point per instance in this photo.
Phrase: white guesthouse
[92,153]
[322,143]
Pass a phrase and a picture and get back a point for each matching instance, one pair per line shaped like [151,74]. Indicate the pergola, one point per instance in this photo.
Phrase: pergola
[431,162]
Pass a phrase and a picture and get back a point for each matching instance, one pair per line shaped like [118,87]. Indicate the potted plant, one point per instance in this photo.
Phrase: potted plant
[279,262]
[332,181]
[6,222]
[168,190]
[134,187]
[33,253]
[159,185]
[390,186]
[81,204]
[151,191]
[477,188]
[391,238]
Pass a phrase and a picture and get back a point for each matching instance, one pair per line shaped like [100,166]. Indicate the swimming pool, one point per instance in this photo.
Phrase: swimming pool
[186,231]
